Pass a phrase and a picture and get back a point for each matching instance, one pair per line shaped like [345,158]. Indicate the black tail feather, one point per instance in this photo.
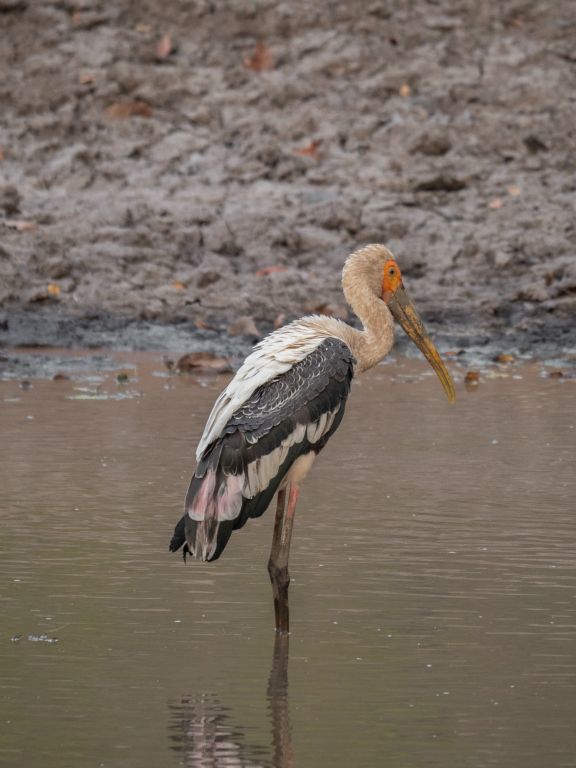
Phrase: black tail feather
[179,535]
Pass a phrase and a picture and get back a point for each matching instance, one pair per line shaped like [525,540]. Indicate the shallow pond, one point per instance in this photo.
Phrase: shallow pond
[433,603]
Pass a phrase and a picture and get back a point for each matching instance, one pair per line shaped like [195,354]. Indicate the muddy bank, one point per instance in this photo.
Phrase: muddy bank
[197,169]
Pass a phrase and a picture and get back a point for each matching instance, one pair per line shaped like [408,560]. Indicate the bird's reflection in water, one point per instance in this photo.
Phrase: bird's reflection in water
[203,730]
[278,703]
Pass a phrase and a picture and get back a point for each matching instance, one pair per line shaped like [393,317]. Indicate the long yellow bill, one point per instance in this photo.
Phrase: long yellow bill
[405,313]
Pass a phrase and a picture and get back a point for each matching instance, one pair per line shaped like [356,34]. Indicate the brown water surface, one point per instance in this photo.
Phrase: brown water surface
[433,598]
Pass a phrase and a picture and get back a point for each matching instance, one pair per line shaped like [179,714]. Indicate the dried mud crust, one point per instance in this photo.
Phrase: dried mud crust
[444,129]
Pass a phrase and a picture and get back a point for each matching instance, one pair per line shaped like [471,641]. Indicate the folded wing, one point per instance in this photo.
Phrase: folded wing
[238,473]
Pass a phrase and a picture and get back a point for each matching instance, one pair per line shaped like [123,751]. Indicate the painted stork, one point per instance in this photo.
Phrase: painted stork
[282,406]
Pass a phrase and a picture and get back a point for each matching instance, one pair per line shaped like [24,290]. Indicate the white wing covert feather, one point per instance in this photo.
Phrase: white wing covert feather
[271,357]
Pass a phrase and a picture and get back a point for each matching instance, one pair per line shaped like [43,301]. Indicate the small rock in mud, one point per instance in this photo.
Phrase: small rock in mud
[331,310]
[533,144]
[441,183]
[124,110]
[196,362]
[21,225]
[10,200]
[10,6]
[432,144]
[244,326]
[165,47]
[471,380]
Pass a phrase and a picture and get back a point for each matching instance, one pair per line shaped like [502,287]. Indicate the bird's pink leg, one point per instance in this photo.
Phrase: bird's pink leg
[278,562]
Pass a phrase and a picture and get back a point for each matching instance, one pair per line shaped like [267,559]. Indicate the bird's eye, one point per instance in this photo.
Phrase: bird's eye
[391,272]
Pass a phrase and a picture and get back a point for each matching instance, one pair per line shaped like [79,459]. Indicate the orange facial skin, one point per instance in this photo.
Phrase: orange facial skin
[391,279]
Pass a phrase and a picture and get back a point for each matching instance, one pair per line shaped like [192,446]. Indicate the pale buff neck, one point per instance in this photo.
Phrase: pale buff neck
[374,341]
[361,279]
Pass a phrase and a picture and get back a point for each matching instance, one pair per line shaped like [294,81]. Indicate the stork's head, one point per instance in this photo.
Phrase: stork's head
[375,269]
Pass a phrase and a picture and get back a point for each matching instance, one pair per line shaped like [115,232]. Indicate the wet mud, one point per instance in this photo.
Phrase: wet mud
[204,168]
